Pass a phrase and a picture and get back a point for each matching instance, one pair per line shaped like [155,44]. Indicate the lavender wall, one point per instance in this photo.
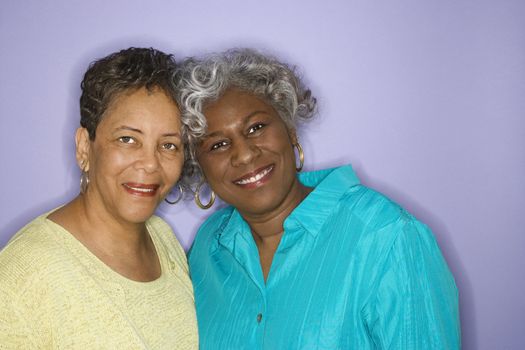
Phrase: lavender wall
[422,97]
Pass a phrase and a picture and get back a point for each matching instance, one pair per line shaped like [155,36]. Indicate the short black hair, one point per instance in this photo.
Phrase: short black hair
[123,71]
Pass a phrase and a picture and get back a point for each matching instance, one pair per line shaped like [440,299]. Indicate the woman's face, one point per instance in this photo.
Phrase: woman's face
[247,154]
[136,157]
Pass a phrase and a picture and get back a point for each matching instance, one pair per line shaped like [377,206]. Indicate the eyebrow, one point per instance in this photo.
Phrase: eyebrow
[124,127]
[215,133]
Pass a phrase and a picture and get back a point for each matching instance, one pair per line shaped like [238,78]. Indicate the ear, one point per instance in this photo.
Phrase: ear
[83,148]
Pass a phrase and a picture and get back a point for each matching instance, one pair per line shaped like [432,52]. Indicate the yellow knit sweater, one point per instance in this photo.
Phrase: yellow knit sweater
[55,294]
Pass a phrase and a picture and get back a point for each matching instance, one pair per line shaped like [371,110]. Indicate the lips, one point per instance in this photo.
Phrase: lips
[255,178]
[142,190]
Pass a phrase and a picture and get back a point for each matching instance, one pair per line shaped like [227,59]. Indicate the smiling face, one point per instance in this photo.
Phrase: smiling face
[136,157]
[247,155]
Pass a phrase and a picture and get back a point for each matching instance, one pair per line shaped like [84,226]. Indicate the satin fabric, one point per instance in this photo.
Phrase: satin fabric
[353,270]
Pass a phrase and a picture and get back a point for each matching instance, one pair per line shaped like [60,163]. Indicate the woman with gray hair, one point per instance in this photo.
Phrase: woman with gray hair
[298,260]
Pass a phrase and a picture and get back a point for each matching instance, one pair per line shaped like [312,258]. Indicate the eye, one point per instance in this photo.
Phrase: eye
[255,127]
[170,146]
[218,145]
[127,139]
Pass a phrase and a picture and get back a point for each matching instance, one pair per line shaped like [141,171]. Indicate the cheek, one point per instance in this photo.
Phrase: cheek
[209,166]
[281,146]
[175,168]
[172,168]
[215,171]
[108,161]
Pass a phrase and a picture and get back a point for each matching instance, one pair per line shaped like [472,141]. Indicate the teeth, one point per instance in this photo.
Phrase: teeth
[144,190]
[254,178]
[141,189]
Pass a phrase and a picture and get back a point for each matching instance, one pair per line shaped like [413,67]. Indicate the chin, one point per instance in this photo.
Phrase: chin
[138,217]
[260,206]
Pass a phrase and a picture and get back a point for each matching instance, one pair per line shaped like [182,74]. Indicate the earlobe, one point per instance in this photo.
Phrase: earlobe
[83,147]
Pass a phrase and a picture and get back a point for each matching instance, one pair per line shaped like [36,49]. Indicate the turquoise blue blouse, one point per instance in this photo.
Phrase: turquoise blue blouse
[353,270]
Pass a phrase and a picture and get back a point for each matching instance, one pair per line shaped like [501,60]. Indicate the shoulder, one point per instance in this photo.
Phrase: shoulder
[30,256]
[341,192]
[372,207]
[380,225]
[390,231]
[164,234]
[209,230]
[389,237]
[214,224]
[382,213]
[160,228]
[33,241]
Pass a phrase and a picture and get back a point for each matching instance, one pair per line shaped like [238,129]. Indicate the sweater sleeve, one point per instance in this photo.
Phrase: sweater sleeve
[416,302]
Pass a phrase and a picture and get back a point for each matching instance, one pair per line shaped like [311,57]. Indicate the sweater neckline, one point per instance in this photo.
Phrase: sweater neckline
[88,259]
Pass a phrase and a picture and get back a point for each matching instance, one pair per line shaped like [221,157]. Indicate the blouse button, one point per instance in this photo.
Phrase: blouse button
[259,318]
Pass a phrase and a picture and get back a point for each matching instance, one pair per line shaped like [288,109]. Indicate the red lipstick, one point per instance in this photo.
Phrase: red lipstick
[141,190]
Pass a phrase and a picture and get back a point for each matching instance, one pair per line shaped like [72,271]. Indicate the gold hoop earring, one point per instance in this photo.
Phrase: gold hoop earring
[84,181]
[84,178]
[179,197]
[198,199]
[301,156]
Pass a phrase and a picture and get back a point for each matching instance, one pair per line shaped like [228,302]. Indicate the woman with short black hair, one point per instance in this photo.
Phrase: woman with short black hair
[102,272]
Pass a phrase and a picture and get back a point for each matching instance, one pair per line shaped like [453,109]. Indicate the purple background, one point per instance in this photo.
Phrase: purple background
[422,97]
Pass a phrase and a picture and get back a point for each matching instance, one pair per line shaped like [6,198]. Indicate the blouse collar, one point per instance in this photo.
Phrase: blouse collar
[311,214]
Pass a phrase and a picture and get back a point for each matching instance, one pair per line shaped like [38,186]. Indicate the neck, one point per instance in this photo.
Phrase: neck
[125,247]
[267,228]
[99,231]
[110,232]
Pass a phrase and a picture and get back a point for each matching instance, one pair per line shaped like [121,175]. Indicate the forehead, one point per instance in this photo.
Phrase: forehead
[236,104]
[142,106]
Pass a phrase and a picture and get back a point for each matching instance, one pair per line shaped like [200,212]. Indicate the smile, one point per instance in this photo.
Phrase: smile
[140,189]
[251,179]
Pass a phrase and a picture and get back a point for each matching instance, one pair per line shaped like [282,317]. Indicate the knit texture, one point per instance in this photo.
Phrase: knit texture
[54,293]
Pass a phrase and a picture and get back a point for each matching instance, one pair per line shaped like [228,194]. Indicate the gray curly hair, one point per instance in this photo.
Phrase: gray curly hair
[199,82]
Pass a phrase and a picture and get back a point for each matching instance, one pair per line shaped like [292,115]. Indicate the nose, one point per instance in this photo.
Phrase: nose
[244,152]
[148,160]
